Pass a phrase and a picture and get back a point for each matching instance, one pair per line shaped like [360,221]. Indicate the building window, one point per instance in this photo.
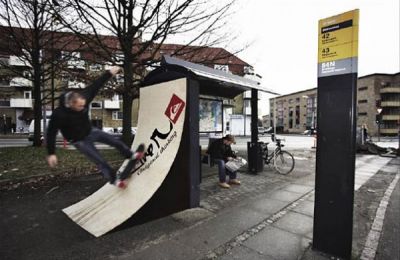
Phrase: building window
[28,94]
[27,74]
[362,113]
[117,115]
[115,97]
[297,115]
[4,82]
[297,100]
[4,103]
[362,101]
[290,117]
[96,105]
[362,88]
[290,101]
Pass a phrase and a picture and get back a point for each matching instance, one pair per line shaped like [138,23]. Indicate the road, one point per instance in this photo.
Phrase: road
[14,142]
[290,141]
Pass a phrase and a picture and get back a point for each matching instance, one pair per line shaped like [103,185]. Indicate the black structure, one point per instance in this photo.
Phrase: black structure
[180,190]
[335,164]
[220,84]
[254,150]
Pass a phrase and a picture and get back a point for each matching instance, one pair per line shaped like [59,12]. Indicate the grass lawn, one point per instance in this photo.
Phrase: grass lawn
[22,162]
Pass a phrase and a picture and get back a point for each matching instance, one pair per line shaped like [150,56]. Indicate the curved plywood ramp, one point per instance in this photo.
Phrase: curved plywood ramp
[160,127]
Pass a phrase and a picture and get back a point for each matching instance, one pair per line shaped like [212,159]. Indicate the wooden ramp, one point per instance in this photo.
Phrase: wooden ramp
[160,128]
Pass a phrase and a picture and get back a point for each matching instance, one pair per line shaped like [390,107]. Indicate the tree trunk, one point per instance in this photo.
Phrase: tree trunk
[37,81]
[127,101]
[127,119]
[37,106]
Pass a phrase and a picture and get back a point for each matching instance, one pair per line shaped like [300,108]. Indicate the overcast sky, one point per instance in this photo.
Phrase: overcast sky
[284,39]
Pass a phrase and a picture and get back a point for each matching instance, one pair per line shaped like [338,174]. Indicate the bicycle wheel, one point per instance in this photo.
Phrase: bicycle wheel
[284,162]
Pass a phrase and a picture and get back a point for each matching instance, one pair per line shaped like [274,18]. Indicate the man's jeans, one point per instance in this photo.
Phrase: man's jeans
[86,146]
[222,171]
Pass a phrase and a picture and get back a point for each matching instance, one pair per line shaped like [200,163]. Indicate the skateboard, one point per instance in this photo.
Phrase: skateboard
[127,171]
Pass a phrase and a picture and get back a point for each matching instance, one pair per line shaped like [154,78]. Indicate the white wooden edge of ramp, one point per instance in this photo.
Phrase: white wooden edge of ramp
[162,110]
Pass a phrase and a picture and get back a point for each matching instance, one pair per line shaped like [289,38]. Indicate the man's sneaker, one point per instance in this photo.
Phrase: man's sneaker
[224,185]
[234,182]
[121,184]
[139,153]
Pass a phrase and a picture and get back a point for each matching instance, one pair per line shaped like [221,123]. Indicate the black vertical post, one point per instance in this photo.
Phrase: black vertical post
[254,115]
[255,162]
[335,164]
[336,128]
[194,150]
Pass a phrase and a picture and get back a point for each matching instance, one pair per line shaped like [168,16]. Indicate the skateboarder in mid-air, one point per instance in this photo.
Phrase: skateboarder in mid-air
[72,119]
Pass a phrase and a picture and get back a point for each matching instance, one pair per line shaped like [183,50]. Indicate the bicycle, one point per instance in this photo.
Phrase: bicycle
[284,162]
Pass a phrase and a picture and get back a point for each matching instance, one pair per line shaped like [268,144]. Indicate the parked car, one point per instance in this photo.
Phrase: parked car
[265,130]
[261,130]
[109,130]
[133,130]
[310,132]
[269,130]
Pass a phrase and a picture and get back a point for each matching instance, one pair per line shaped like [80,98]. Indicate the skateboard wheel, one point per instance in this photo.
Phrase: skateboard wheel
[121,184]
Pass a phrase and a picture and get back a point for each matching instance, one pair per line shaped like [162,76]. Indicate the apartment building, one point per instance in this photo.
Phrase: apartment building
[378,106]
[378,102]
[15,96]
[80,65]
[295,112]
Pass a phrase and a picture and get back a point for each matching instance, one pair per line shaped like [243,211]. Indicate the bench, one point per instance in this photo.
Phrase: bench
[204,156]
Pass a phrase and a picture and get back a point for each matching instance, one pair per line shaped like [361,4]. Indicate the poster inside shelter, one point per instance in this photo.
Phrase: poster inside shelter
[210,115]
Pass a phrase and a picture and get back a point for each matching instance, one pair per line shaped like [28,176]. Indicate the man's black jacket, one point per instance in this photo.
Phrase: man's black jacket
[219,150]
[73,125]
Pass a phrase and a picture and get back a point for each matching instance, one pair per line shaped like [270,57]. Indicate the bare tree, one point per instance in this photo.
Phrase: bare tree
[141,27]
[28,27]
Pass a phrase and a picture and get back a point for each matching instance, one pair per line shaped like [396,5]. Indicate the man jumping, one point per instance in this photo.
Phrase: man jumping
[72,119]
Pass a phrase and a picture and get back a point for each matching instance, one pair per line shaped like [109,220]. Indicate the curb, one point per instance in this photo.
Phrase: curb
[372,242]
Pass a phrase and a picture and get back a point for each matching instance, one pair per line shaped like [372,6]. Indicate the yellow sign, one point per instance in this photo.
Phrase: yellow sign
[345,35]
[338,37]
[337,52]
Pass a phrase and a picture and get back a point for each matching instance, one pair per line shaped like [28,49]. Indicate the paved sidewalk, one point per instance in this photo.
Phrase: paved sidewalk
[275,225]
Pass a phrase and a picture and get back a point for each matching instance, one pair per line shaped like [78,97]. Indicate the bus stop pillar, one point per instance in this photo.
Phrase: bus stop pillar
[254,151]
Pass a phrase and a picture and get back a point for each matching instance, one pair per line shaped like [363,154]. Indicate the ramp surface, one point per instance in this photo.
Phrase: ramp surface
[160,128]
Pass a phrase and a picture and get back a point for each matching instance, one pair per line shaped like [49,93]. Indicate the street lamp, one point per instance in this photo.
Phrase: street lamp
[378,121]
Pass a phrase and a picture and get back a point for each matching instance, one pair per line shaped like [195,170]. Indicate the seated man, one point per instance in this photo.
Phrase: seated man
[220,152]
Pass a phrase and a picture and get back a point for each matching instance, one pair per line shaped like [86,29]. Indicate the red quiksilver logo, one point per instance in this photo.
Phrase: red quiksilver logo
[175,108]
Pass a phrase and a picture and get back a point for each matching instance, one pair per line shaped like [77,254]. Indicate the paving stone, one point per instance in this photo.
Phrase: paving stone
[296,223]
[214,198]
[242,252]
[306,208]
[164,251]
[228,224]
[191,216]
[266,206]
[298,188]
[285,196]
[278,243]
